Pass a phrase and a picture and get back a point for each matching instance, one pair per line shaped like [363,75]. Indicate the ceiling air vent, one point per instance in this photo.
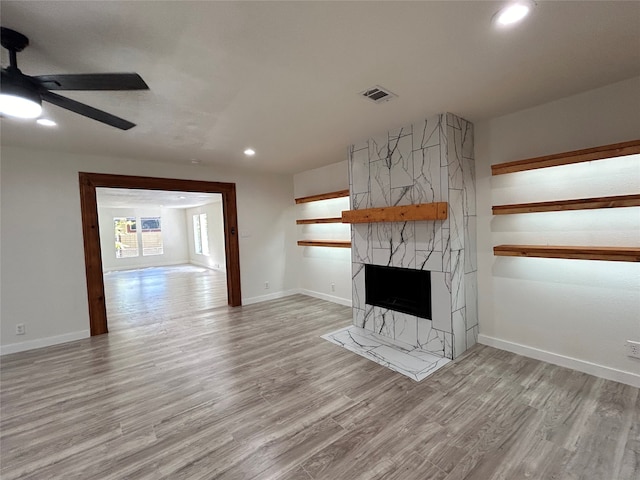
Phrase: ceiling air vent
[378,94]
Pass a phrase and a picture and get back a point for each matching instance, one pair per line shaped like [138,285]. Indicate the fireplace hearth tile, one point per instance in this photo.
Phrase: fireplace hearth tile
[356,338]
[412,362]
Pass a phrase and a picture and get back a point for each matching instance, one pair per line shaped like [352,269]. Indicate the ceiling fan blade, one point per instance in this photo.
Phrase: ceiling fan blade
[87,111]
[92,81]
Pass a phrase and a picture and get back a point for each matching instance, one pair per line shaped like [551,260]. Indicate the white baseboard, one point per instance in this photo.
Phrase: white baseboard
[271,296]
[142,267]
[594,369]
[323,296]
[43,342]
[204,265]
[294,291]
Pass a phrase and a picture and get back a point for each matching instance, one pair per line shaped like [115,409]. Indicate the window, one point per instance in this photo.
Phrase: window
[126,237]
[151,236]
[201,234]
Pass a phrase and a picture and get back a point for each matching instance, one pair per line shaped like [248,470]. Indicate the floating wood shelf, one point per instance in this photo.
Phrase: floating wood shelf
[422,211]
[576,204]
[616,254]
[311,221]
[323,196]
[567,158]
[325,243]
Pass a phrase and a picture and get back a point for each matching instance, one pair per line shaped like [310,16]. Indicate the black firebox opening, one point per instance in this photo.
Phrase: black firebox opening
[400,289]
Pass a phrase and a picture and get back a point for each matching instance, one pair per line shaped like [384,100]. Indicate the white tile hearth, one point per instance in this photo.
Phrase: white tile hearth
[415,363]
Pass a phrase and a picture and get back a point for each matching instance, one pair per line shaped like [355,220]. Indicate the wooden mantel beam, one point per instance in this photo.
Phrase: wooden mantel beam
[422,211]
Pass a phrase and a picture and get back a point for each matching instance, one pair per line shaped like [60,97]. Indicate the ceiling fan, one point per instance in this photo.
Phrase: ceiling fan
[21,95]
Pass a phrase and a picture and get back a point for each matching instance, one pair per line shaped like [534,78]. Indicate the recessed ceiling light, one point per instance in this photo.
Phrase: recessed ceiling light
[249,152]
[46,122]
[513,13]
[195,161]
[181,197]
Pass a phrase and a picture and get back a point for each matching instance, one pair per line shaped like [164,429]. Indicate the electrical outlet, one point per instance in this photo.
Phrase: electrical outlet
[266,285]
[20,330]
[333,287]
[633,349]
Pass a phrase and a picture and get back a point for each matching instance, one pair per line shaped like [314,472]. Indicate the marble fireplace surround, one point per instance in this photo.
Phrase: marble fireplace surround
[428,161]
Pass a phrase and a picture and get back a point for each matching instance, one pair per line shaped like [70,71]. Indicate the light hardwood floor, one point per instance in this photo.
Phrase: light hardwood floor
[183,388]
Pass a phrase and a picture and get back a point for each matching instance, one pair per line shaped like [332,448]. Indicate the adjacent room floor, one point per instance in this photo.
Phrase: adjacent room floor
[183,389]
[144,296]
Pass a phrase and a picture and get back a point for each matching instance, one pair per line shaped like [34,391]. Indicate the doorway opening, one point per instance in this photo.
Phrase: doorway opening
[89,182]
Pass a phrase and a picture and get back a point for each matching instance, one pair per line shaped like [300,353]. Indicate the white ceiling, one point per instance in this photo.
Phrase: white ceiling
[284,77]
[131,198]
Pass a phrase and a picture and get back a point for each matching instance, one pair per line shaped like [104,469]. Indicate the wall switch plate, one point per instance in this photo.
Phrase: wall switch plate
[266,285]
[333,287]
[633,349]
[20,330]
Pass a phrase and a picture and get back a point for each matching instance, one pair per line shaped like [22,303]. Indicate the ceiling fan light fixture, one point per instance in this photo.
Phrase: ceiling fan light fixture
[20,102]
[22,95]
[512,13]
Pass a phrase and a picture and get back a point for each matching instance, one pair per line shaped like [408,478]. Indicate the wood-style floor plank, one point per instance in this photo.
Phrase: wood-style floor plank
[185,387]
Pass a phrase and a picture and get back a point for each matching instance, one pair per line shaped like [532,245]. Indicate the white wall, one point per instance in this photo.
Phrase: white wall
[42,275]
[215,231]
[174,238]
[575,313]
[320,267]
